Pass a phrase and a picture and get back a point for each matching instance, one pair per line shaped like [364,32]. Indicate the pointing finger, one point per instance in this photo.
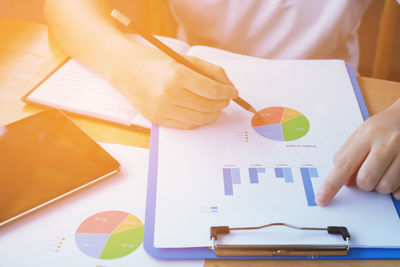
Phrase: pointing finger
[345,164]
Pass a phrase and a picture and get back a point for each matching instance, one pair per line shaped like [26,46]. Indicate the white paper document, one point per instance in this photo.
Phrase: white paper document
[101,225]
[246,170]
[76,88]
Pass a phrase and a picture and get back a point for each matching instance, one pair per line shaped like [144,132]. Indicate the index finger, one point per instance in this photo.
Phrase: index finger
[345,164]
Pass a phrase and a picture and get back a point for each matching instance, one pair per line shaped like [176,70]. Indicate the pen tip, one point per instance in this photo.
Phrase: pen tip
[253,110]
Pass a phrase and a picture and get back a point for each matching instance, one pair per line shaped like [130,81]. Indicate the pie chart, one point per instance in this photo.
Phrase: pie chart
[280,124]
[109,235]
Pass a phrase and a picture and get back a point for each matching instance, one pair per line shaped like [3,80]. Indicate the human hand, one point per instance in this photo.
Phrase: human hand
[164,91]
[172,95]
[370,158]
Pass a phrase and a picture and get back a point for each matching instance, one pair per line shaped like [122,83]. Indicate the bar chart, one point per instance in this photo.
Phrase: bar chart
[285,173]
[306,175]
[253,174]
[232,177]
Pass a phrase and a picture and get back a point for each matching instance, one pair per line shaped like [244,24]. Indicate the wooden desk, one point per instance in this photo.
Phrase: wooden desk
[28,54]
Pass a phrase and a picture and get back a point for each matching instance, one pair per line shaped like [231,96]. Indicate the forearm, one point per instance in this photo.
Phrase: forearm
[161,89]
[85,30]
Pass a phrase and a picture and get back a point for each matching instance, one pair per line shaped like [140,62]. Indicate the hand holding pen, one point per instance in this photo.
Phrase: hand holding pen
[196,90]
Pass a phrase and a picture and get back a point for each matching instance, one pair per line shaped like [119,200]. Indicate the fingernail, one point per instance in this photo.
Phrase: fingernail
[320,198]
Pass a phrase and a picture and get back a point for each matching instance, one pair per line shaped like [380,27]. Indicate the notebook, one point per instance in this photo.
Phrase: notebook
[76,89]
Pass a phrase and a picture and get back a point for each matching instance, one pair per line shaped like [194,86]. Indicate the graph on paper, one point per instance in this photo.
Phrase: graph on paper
[109,235]
[235,177]
[280,124]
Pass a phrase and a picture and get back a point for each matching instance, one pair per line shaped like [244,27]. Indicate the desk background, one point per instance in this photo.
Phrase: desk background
[28,54]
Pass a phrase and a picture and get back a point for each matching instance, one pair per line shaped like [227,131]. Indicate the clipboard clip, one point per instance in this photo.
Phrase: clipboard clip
[280,250]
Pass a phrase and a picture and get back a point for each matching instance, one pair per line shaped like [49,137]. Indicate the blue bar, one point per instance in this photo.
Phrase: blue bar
[287,173]
[214,207]
[278,173]
[261,170]
[228,182]
[235,172]
[308,189]
[313,172]
[253,175]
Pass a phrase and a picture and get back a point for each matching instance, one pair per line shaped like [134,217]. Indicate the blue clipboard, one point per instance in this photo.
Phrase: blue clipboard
[206,252]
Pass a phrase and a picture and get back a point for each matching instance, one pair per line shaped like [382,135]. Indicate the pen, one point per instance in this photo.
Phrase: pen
[124,20]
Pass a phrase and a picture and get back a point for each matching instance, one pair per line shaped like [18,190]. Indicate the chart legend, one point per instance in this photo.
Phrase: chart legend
[241,136]
[109,235]
[54,243]
[211,209]
[280,124]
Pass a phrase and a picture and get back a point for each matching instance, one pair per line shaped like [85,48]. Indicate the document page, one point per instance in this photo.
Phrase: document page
[101,225]
[76,88]
[249,170]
